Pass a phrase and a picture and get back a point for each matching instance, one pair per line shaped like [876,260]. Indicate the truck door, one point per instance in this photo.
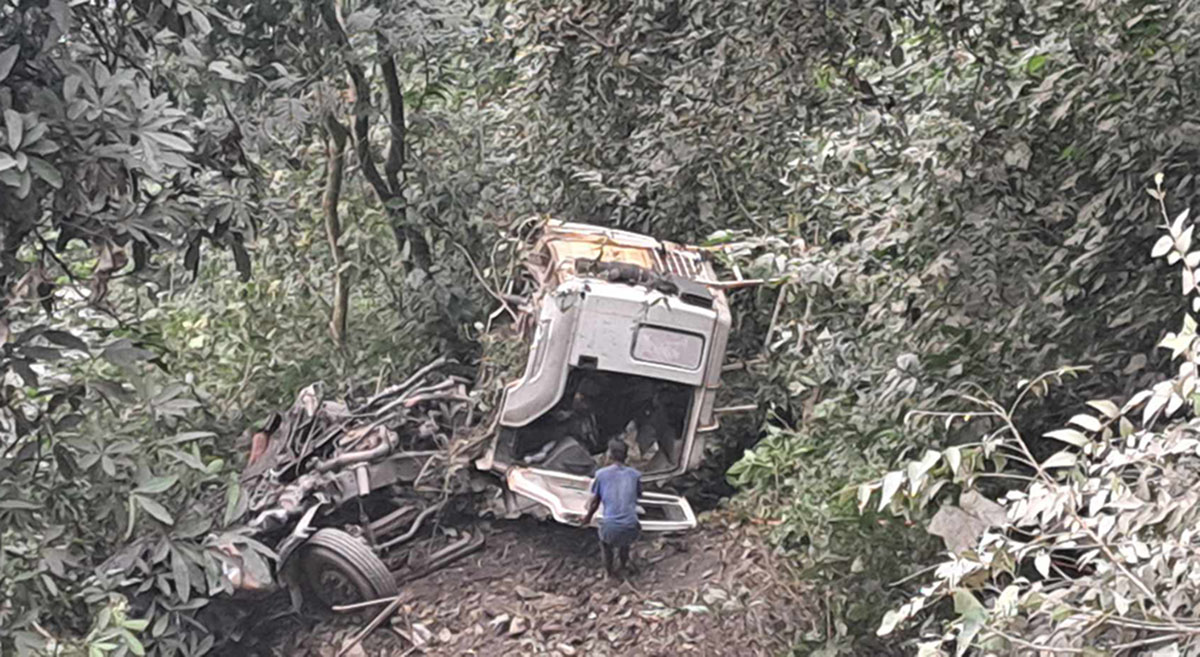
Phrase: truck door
[566,497]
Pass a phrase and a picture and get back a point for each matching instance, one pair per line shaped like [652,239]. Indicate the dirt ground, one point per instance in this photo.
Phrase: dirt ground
[536,589]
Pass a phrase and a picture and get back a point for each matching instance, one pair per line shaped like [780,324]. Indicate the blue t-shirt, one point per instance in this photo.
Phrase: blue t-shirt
[618,487]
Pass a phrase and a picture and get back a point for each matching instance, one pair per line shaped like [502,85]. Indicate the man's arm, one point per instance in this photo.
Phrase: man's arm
[592,506]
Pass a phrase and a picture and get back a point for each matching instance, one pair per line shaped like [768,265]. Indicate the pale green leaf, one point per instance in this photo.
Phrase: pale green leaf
[889,622]
[8,59]
[918,469]
[864,496]
[1006,604]
[953,458]
[135,646]
[232,497]
[158,511]
[157,484]
[1184,241]
[1106,407]
[1062,459]
[972,613]
[1162,246]
[1042,563]
[891,484]
[1087,422]
[1177,226]
[169,141]
[1126,427]
[12,123]
[1069,436]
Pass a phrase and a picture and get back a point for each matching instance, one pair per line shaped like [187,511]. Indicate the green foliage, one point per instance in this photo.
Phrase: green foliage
[133,477]
[100,169]
[129,368]
[951,216]
[940,195]
[1093,547]
[673,118]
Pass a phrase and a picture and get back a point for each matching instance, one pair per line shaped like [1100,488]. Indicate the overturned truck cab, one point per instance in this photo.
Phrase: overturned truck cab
[627,336]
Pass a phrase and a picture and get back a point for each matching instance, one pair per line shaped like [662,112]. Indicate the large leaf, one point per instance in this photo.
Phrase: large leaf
[8,58]
[1069,436]
[158,511]
[14,129]
[157,484]
[65,339]
[170,141]
[46,171]
[123,352]
[182,575]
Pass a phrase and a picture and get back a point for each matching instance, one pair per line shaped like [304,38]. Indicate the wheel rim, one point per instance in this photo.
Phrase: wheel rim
[337,588]
[334,581]
[337,568]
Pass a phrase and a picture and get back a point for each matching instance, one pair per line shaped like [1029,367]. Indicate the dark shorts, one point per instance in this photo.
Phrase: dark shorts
[619,535]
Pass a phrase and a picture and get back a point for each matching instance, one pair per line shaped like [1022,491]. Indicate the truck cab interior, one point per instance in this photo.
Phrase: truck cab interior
[649,415]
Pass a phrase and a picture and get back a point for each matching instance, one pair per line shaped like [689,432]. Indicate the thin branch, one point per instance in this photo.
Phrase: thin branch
[1034,646]
[495,295]
[1148,641]
[779,301]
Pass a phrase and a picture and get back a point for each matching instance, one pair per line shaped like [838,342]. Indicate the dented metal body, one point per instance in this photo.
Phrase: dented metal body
[626,336]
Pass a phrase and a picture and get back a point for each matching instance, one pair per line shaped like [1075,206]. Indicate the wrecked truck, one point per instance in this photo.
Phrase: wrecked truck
[621,335]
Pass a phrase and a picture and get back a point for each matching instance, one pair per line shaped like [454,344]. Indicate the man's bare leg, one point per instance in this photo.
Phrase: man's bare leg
[624,553]
[606,555]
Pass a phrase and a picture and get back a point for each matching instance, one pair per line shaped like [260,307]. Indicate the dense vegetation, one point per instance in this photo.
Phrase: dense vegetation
[208,204]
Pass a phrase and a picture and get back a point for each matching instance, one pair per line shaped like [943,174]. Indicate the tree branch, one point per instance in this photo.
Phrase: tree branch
[336,144]
[391,190]
[395,159]
[362,104]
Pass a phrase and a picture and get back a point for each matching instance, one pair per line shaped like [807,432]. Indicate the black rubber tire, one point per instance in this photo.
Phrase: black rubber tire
[340,569]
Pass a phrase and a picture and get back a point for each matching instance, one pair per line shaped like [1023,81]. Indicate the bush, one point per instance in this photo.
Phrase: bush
[1091,550]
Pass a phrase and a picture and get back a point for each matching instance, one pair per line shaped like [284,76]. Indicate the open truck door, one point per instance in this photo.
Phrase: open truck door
[566,497]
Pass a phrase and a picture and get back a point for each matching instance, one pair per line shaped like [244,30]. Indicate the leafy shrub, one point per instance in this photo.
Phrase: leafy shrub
[1091,550]
[114,505]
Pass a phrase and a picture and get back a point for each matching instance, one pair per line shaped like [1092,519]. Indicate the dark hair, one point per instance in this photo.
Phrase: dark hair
[618,450]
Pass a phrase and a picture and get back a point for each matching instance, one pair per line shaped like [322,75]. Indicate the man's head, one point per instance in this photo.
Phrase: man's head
[617,450]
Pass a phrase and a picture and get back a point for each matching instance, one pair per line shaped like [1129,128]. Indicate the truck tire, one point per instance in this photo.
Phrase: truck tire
[339,569]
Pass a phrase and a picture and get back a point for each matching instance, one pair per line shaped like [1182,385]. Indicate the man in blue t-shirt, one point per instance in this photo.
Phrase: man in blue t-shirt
[617,487]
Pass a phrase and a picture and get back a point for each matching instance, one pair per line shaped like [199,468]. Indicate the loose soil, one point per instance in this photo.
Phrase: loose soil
[537,589]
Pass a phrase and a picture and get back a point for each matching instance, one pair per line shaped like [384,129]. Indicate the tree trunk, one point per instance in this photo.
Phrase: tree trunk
[336,147]
[389,187]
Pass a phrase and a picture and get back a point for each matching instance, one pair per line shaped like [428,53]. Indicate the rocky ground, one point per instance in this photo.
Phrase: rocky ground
[536,589]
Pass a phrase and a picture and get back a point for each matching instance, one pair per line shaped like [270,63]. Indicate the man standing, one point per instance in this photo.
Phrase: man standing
[617,487]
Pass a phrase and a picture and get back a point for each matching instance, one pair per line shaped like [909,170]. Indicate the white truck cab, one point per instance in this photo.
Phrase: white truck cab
[627,337]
